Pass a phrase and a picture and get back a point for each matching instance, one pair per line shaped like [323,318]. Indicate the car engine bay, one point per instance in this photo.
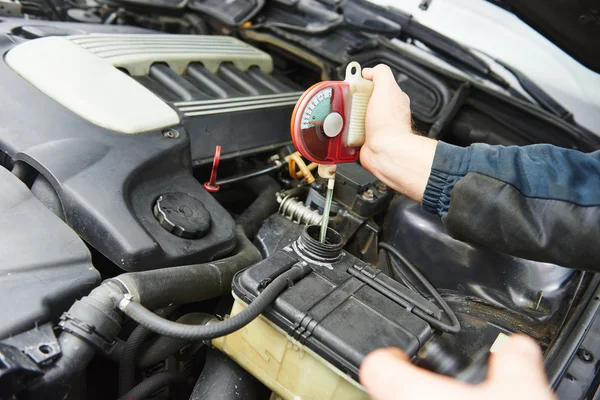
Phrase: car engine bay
[160,230]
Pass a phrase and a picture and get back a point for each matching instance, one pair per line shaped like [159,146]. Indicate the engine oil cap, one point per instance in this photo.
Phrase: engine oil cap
[182,215]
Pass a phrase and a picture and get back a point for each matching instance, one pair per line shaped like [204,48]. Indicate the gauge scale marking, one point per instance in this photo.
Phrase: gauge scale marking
[317,109]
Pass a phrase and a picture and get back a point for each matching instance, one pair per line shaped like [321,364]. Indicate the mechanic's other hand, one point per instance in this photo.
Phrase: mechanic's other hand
[515,372]
[391,151]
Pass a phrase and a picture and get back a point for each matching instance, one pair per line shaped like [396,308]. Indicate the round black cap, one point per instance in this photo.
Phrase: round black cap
[182,215]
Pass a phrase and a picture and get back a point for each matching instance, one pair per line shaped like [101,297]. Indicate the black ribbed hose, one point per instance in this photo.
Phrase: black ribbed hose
[164,327]
[135,341]
[223,379]
[162,347]
[157,381]
[127,365]
[157,289]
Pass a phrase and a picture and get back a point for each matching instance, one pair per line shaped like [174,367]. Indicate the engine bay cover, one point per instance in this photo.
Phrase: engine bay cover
[37,284]
[121,118]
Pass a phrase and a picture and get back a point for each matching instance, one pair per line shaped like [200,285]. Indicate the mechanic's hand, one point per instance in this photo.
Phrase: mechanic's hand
[515,372]
[391,151]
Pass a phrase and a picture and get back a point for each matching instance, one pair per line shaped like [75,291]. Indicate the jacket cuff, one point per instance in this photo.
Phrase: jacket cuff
[450,164]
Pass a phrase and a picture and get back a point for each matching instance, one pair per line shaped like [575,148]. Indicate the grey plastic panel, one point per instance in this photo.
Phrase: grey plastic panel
[89,86]
[45,266]
[136,53]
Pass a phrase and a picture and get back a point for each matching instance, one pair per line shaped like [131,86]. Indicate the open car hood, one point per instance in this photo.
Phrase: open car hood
[574,26]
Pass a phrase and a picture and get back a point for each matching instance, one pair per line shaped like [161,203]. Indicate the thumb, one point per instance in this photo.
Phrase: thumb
[388,102]
[382,77]
[387,374]
[518,367]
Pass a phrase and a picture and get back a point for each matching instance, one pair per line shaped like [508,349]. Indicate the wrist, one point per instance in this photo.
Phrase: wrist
[405,164]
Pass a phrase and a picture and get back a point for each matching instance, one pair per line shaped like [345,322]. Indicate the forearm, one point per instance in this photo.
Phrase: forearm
[538,202]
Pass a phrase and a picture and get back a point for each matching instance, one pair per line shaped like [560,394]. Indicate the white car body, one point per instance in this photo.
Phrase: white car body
[482,26]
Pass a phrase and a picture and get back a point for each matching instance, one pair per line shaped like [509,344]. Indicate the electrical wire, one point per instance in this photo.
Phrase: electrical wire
[399,274]
[239,178]
[455,324]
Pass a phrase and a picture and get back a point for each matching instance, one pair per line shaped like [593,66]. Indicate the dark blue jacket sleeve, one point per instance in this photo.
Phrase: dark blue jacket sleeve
[539,202]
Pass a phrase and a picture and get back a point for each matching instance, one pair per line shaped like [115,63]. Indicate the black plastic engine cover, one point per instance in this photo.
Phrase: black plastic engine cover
[342,310]
[107,183]
[45,266]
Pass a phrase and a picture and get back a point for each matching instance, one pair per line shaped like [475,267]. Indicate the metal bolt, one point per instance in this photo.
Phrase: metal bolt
[170,133]
[538,302]
[382,187]
[368,195]
[585,355]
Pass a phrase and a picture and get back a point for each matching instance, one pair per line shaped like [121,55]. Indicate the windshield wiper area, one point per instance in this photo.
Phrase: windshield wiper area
[319,17]
[538,94]
[451,51]
[457,55]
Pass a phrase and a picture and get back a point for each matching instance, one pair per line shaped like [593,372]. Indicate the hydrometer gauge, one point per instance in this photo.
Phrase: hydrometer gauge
[328,122]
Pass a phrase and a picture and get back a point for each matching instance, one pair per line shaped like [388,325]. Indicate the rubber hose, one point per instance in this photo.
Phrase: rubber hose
[190,283]
[155,289]
[223,379]
[162,326]
[157,381]
[99,307]
[163,347]
[262,207]
[127,365]
[76,353]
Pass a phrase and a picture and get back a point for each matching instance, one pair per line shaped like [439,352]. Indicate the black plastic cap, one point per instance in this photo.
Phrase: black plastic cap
[182,215]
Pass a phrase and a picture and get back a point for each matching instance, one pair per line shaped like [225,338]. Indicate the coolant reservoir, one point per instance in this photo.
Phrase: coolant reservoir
[310,342]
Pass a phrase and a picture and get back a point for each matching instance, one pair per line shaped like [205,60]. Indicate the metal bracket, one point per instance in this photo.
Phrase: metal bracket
[39,344]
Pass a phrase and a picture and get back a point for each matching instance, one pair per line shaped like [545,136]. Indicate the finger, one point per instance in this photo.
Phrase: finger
[386,87]
[381,75]
[387,374]
[518,367]
[519,358]
[379,70]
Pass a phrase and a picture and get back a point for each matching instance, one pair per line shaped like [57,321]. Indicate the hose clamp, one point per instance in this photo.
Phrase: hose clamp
[125,301]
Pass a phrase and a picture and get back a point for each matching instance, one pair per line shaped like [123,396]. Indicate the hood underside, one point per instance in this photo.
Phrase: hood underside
[574,25]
